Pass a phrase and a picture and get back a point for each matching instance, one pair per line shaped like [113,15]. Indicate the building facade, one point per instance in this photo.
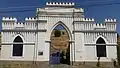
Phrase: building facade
[83,39]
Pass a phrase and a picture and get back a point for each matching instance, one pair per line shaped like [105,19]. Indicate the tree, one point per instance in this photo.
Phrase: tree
[0,40]
[57,33]
[118,49]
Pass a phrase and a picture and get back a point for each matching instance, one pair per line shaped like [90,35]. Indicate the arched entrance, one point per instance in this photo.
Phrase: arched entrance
[101,47]
[59,47]
[18,46]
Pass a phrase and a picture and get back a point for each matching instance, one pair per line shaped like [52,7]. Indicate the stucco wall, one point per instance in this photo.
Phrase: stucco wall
[36,33]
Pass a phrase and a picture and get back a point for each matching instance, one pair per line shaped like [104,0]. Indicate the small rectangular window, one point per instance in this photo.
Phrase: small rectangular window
[40,53]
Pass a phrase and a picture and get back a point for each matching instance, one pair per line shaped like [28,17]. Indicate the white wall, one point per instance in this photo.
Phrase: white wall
[91,55]
[41,46]
[7,45]
[48,22]
[7,50]
[79,46]
[112,52]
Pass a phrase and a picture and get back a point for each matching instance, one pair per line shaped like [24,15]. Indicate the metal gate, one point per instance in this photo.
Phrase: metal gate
[55,57]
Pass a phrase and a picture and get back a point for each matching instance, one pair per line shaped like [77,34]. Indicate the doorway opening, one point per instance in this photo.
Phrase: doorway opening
[101,47]
[59,46]
[18,46]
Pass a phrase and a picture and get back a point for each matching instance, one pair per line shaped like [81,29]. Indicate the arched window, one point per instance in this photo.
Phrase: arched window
[101,47]
[18,46]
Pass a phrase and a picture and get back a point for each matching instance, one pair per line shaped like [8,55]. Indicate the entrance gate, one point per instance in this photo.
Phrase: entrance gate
[55,57]
[59,57]
[59,47]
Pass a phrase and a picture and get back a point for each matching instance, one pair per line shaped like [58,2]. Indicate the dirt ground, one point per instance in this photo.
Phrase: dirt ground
[28,64]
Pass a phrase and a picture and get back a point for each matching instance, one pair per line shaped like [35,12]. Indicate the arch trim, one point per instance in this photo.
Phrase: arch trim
[19,36]
[66,28]
[102,38]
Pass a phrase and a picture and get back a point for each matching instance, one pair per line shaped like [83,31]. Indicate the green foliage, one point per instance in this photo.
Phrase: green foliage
[57,33]
[0,40]
[118,54]
[118,49]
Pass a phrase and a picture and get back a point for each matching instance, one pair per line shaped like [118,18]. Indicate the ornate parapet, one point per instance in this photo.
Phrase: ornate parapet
[88,19]
[84,19]
[92,19]
[30,19]
[59,4]
[99,26]
[11,23]
[109,25]
[89,24]
[9,19]
[110,20]
[19,25]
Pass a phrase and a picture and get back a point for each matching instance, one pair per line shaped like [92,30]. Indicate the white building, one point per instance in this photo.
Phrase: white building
[30,40]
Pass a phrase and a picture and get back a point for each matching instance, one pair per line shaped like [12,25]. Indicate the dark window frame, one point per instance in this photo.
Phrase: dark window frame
[17,47]
[101,48]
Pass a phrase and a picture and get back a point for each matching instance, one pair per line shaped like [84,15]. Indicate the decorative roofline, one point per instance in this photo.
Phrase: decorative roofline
[30,19]
[9,19]
[88,19]
[110,20]
[34,19]
[60,4]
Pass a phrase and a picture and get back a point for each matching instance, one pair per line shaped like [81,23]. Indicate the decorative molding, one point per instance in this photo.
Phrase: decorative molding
[70,41]
[93,44]
[23,30]
[110,20]
[60,4]
[17,43]
[9,19]
[91,31]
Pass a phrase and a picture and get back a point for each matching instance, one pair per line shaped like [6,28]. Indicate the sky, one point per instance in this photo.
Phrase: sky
[98,9]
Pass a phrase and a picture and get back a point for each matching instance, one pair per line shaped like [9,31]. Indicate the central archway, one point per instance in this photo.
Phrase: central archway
[59,47]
